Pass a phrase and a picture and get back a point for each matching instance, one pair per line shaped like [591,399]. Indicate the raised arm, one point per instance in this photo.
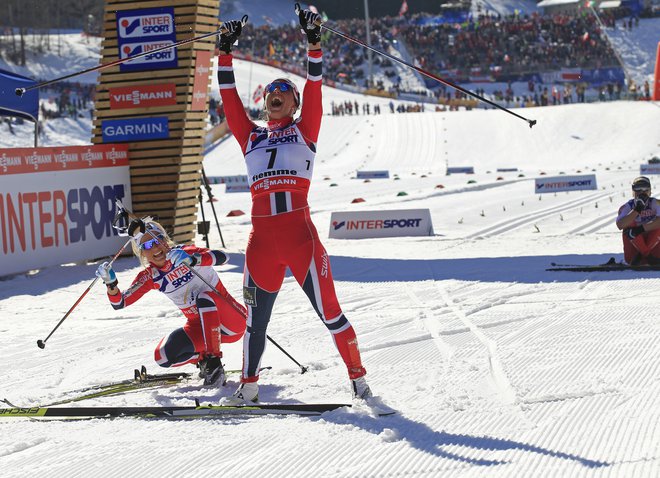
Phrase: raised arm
[237,119]
[312,105]
[142,284]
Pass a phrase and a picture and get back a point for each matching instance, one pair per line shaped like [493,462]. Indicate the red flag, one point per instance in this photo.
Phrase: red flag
[404,8]
[258,93]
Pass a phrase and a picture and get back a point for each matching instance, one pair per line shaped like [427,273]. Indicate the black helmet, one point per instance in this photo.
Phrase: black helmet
[641,183]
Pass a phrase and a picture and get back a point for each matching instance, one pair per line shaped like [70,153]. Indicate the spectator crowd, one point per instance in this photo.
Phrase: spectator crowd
[497,46]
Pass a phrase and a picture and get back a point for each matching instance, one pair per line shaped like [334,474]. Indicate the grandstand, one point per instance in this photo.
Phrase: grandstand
[458,46]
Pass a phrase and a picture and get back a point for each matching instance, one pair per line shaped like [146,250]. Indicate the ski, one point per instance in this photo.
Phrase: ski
[609,266]
[174,411]
[142,380]
[606,268]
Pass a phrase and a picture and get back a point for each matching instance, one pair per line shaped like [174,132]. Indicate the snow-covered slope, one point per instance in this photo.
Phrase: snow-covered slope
[496,367]
[638,48]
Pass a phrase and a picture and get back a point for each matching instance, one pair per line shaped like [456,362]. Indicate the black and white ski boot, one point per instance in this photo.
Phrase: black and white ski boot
[211,370]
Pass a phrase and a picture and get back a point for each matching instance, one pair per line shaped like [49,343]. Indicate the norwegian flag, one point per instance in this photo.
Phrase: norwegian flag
[404,8]
[258,94]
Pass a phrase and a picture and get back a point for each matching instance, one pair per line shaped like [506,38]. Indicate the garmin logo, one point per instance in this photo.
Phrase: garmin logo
[135,129]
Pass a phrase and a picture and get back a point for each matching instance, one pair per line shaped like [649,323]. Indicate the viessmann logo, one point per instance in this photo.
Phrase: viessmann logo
[143,96]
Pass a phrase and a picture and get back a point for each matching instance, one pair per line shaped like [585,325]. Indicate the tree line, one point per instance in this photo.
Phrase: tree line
[38,20]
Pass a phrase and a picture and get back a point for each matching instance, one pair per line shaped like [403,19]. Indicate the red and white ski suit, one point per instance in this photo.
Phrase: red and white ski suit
[648,243]
[280,162]
[214,316]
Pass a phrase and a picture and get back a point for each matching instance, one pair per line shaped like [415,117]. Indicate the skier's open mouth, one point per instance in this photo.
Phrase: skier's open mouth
[276,102]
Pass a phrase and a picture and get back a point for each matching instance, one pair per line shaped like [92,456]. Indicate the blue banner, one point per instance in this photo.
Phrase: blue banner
[144,30]
[135,129]
[450,17]
[602,76]
[26,106]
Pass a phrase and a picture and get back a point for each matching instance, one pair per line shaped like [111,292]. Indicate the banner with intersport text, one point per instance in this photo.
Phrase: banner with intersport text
[394,223]
[647,169]
[57,204]
[144,30]
[565,183]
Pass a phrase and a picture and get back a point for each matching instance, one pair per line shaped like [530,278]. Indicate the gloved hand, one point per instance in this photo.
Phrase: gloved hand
[179,256]
[633,232]
[308,23]
[136,225]
[107,275]
[231,31]
[640,202]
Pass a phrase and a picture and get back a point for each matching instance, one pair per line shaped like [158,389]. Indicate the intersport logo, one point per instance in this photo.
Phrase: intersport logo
[142,96]
[146,25]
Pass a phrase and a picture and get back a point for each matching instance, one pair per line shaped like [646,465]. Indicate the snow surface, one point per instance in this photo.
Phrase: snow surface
[496,367]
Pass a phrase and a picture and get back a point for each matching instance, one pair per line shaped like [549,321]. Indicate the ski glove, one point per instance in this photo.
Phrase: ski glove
[640,202]
[136,225]
[308,23]
[107,275]
[633,232]
[179,256]
[231,31]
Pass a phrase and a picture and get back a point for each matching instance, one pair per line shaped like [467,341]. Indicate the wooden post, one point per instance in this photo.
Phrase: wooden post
[167,102]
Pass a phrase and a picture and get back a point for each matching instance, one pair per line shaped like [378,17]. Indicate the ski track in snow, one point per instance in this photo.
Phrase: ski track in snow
[494,366]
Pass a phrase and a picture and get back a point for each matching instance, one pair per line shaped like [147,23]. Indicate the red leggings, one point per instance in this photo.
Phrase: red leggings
[647,244]
[290,240]
[221,320]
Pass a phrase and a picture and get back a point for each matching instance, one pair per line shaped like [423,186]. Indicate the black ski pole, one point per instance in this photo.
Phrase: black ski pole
[204,228]
[205,181]
[42,343]
[22,91]
[420,70]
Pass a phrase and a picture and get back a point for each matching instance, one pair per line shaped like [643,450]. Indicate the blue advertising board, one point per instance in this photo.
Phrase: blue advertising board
[135,129]
[144,30]
[26,106]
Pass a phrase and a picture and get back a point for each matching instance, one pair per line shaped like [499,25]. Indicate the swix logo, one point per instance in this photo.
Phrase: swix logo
[338,225]
[146,25]
[324,264]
